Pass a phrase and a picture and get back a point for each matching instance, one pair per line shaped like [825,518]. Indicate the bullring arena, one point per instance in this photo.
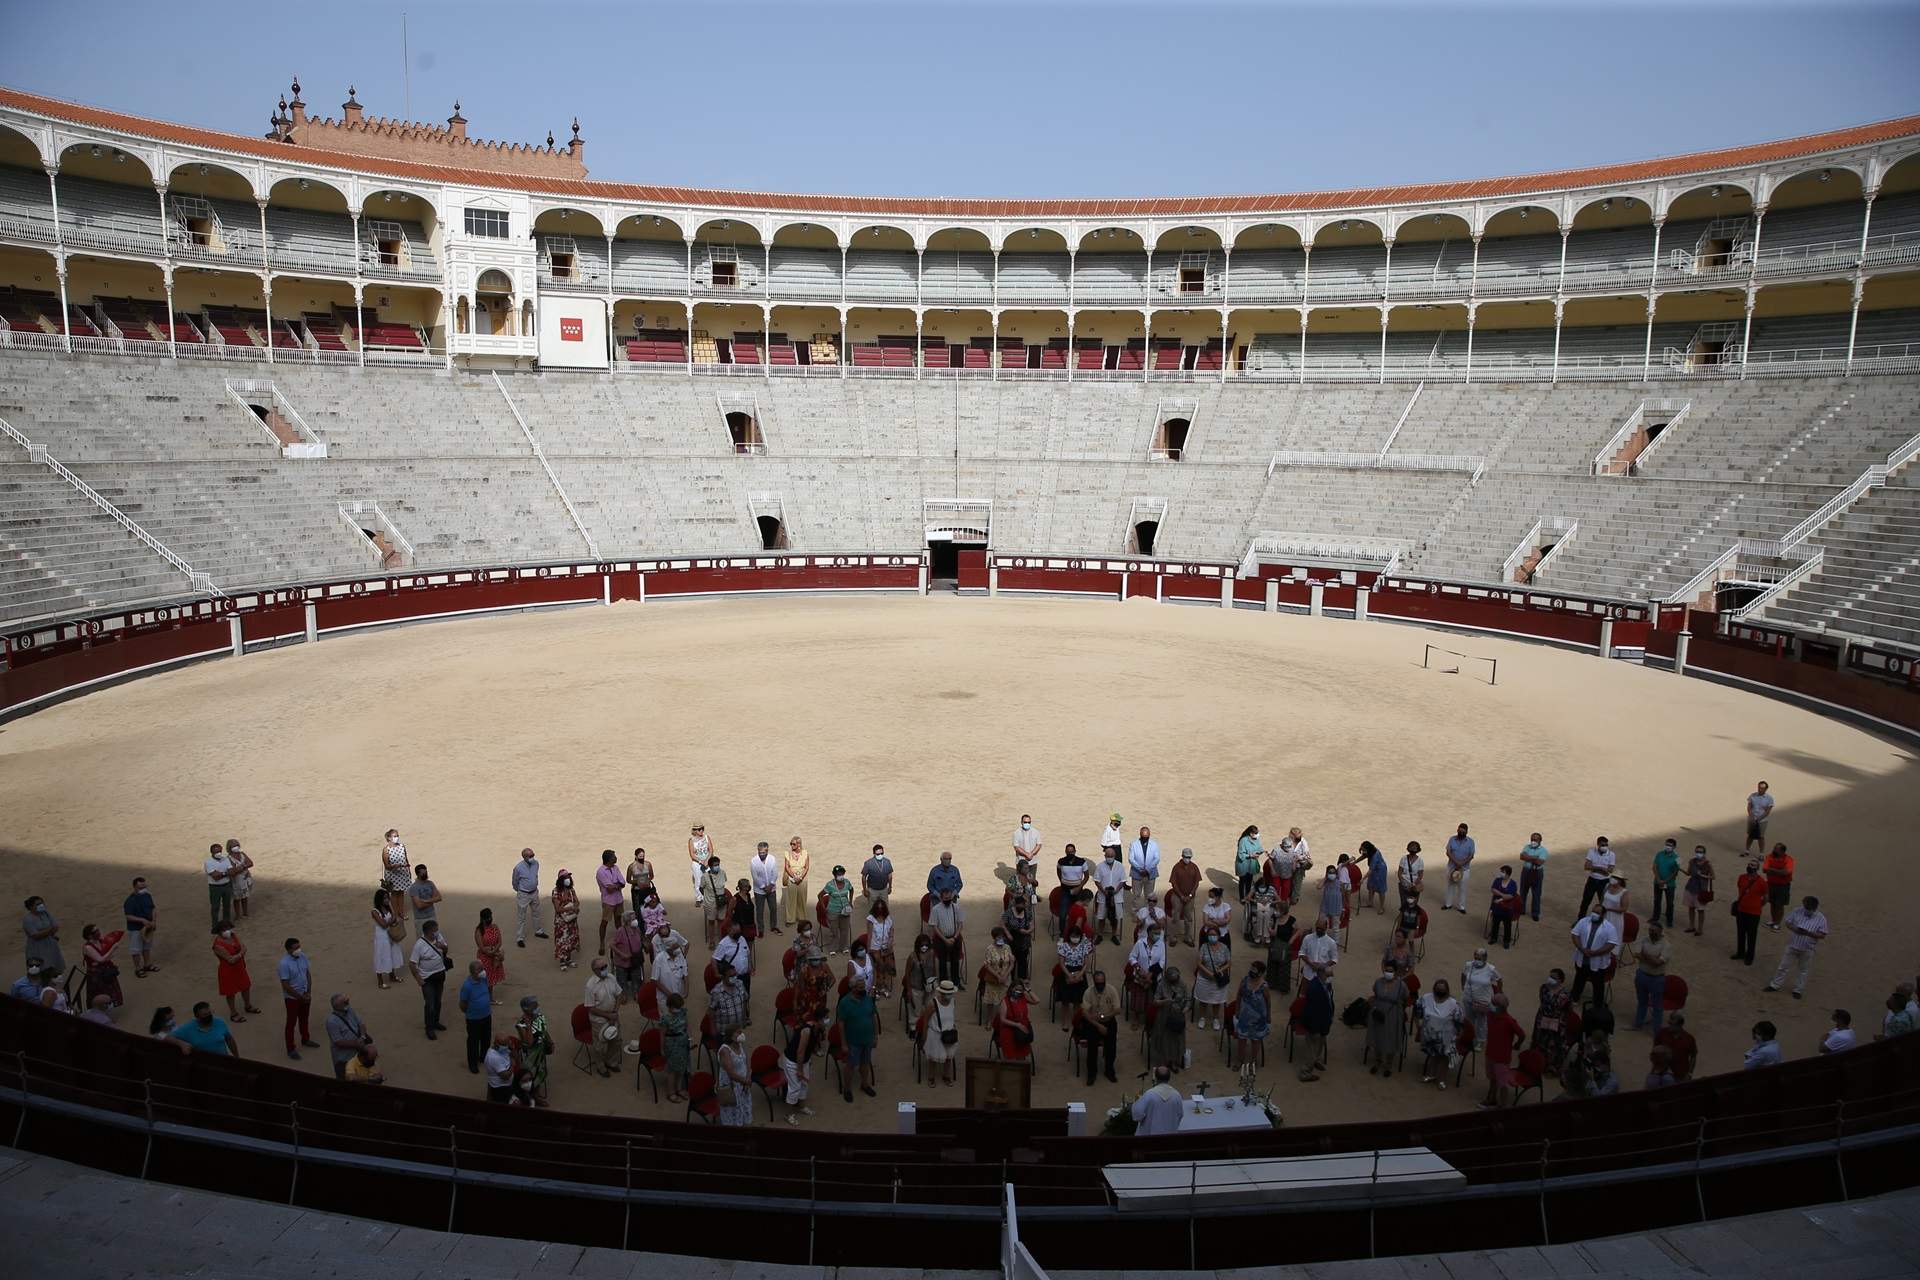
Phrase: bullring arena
[363,477]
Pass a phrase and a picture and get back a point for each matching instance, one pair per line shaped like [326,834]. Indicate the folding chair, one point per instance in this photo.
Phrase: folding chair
[1530,1075]
[920,1042]
[702,1100]
[764,1068]
[650,1057]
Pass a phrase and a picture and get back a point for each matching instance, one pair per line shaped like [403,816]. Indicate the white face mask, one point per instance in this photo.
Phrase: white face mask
[1026,826]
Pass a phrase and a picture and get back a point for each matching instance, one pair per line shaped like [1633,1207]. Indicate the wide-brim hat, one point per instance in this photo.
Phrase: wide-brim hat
[946,987]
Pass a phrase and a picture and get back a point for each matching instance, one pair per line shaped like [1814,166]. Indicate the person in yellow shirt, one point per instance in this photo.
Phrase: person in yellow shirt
[795,905]
[363,1067]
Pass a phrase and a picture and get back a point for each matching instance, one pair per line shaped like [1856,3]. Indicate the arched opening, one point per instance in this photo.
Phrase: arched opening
[649,256]
[880,338]
[1519,252]
[1697,330]
[1432,257]
[728,257]
[803,336]
[957,267]
[1111,266]
[1031,340]
[1188,265]
[1140,541]
[572,247]
[211,213]
[1268,264]
[493,304]
[773,533]
[882,265]
[1611,246]
[651,331]
[804,262]
[308,226]
[1033,267]
[743,429]
[1349,261]
[1170,442]
[107,200]
[396,235]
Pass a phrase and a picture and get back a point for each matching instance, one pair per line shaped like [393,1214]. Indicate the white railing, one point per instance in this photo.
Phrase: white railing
[1015,1262]
[1522,549]
[539,453]
[1567,528]
[1781,585]
[1402,420]
[1285,545]
[1311,458]
[1666,432]
[1619,438]
[280,405]
[1433,462]
[387,526]
[200,581]
[1836,355]
[238,393]
[1700,581]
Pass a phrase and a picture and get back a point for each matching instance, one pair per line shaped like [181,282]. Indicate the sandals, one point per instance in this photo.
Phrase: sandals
[238,1017]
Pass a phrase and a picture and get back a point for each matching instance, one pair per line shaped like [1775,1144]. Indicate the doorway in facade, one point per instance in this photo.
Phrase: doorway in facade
[943,562]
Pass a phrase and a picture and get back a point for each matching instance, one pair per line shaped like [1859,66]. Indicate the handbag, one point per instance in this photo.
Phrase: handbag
[396,931]
[950,1036]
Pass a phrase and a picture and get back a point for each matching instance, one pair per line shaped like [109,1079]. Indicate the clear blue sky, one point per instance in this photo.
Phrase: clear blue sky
[1047,97]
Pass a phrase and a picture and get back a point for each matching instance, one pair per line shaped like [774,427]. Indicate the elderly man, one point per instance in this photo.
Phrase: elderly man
[1184,880]
[1143,866]
[727,1002]
[476,1006]
[526,897]
[1319,954]
[876,877]
[347,1035]
[1759,810]
[1477,984]
[1460,851]
[602,999]
[1807,925]
[1158,1110]
[945,920]
[1026,841]
[1594,941]
[363,1067]
[1650,956]
[945,877]
[1679,1042]
[1098,1029]
[763,870]
[1109,888]
[735,950]
[1072,871]
[428,961]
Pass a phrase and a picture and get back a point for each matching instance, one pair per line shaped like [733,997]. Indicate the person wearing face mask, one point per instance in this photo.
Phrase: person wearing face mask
[1149,952]
[296,986]
[1253,1013]
[566,920]
[942,1035]
[1247,856]
[1594,942]
[1212,980]
[1319,954]
[163,1026]
[1026,842]
[945,923]
[1167,1037]
[235,983]
[1017,922]
[1374,863]
[1386,1020]
[1109,887]
[1262,913]
[1479,982]
[860,965]
[1333,900]
[1750,899]
[1440,1022]
[207,1033]
[428,963]
[1071,871]
[735,950]
[347,1035]
[1184,881]
[1071,979]
[1217,914]
[1098,1028]
[1766,1047]
[1143,867]
[602,998]
[1550,1022]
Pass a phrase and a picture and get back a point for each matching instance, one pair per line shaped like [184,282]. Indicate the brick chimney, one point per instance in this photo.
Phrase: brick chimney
[351,110]
[577,147]
[457,123]
[298,107]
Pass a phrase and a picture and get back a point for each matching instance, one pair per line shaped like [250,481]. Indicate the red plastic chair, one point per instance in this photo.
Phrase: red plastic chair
[1530,1075]
[926,909]
[1294,1026]
[582,1025]
[764,1068]
[820,909]
[710,977]
[1053,911]
[1073,1040]
[702,1101]
[1053,988]
[652,1058]
[709,1041]
[837,1050]
[647,1001]
[844,981]
[1674,995]
[783,1020]
[1417,940]
[789,964]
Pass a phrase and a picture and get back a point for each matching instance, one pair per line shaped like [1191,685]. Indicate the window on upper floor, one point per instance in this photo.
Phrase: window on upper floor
[487,222]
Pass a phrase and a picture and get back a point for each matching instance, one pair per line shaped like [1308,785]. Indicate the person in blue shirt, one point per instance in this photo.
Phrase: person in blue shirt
[476,1001]
[138,909]
[1460,850]
[1533,874]
[1666,874]
[207,1033]
[944,876]
[296,987]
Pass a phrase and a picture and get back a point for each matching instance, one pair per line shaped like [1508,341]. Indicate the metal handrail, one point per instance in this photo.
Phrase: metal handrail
[593,548]
[1781,585]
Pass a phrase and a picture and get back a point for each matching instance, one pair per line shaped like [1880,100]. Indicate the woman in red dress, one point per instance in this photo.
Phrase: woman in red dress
[231,955]
[1013,1026]
[486,941]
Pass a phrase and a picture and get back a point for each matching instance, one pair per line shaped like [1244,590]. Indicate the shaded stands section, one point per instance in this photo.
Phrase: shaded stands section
[1814,1130]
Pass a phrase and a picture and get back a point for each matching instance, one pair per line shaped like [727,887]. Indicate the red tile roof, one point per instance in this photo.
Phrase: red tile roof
[1174,206]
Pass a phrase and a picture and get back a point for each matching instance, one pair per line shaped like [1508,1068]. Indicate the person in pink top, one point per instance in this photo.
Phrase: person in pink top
[613,894]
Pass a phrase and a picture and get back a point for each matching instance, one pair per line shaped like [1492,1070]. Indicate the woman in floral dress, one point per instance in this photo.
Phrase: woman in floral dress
[1550,1024]
[566,920]
[491,953]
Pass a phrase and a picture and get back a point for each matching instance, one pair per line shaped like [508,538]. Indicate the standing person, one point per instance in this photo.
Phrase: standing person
[1071,986]
[346,1034]
[1750,899]
[1806,925]
[669,960]
[1013,1026]
[1280,950]
[1333,899]
[103,975]
[1026,842]
[997,967]
[1651,955]
[423,898]
[1616,902]
[945,921]
[796,1062]
[1504,909]
[1460,851]
[880,947]
[602,998]
[1666,879]
[1599,867]
[736,951]
[1143,867]
[295,972]
[860,1031]
[1158,1110]
[1071,871]
[1533,874]
[640,879]
[942,1035]
[535,1044]
[1316,1023]
[1440,1022]
[1212,979]
[1167,1040]
[763,875]
[1253,1012]
[1109,894]
[242,879]
[1017,920]
[389,932]
[43,937]
[1375,883]
[395,872]
[428,963]
[1478,983]
[675,1046]
[1699,891]
[490,949]
[839,898]
[1412,874]
[498,1067]
[566,920]
[1759,810]
[1386,1020]
[1098,1029]
[700,851]
[476,1002]
[1184,880]
[1503,1039]
[922,976]
[526,897]
[716,900]
[1594,942]
[1679,1042]
[1319,954]
[727,1002]
[208,1033]
[139,911]
[230,969]
[612,884]
[1111,836]
[628,954]
[218,868]
[1247,857]
[876,876]
[1217,914]
[1550,1023]
[796,906]
[1778,869]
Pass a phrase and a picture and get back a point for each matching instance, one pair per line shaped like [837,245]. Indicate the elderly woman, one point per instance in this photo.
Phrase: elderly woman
[1017,920]
[1386,1018]
[1071,986]
[566,920]
[1247,856]
[1253,1014]
[923,971]
[627,953]
[1440,1023]
[1212,978]
[942,1035]
[1217,914]
[1550,1023]
[1167,1040]
[998,969]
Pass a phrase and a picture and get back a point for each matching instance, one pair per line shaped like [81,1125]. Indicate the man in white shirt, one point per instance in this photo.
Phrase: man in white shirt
[1600,861]
[428,961]
[1113,837]
[1143,865]
[1148,953]
[1806,925]
[499,1068]
[734,949]
[763,869]
[1460,851]
[1759,809]
[219,871]
[1841,1036]
[1319,953]
[1109,889]
[602,999]
[1594,940]
[1026,841]
[1151,915]
[526,898]
[1158,1110]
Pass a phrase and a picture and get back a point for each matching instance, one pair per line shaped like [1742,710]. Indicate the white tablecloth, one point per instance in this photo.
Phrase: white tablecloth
[1238,1115]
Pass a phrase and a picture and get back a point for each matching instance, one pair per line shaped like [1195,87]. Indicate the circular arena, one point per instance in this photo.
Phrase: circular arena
[1558,508]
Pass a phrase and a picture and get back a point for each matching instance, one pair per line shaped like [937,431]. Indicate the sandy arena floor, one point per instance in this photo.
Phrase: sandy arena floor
[930,724]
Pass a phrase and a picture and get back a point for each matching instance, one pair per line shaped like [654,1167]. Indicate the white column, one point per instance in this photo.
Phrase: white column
[1073,356]
[846,356]
[1473,309]
[1606,637]
[66,320]
[1559,290]
[266,257]
[313,623]
[360,322]
[689,305]
[1753,290]
[266,298]
[1306,289]
[1316,595]
[166,238]
[1226,344]
[994,285]
[1273,595]
[1303,346]
[237,639]
[1226,591]
[1146,370]
[1653,284]
[1383,345]
[919,330]
[1559,314]
[1859,278]
[1746,334]
[166,278]
[1360,604]
[1853,320]
[766,336]
[1681,643]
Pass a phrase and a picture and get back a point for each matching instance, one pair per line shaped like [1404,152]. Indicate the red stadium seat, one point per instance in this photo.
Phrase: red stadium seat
[764,1067]
[650,1057]
[702,1101]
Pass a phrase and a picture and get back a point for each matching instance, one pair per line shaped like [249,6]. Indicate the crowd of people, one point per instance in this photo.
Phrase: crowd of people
[1264,943]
